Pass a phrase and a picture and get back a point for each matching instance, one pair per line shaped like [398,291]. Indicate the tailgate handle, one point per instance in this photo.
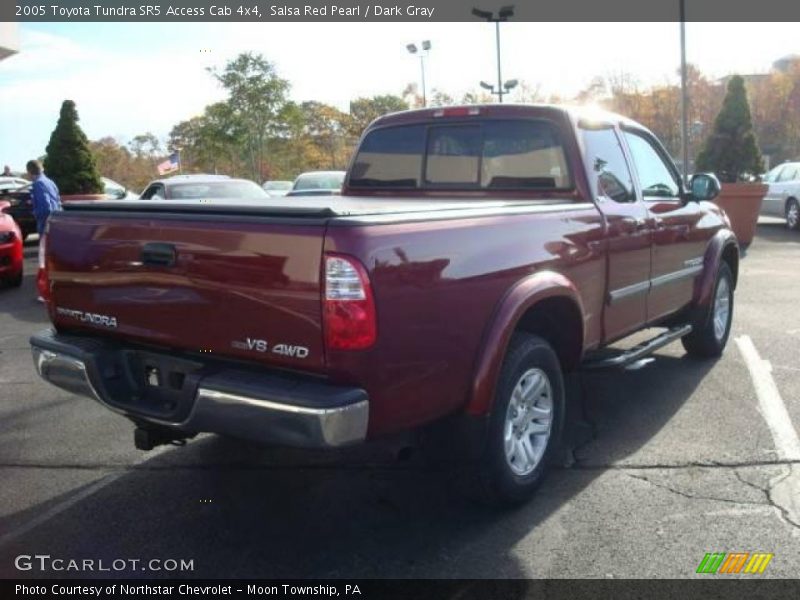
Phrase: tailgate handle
[158,254]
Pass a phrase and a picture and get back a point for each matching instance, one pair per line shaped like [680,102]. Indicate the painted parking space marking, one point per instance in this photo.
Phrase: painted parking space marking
[770,403]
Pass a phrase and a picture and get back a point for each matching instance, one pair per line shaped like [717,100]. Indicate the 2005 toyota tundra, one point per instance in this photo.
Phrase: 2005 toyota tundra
[476,254]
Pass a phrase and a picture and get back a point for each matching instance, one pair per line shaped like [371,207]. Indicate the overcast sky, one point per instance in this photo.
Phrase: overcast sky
[130,78]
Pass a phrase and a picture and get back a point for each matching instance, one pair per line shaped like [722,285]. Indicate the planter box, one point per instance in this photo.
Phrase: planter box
[742,203]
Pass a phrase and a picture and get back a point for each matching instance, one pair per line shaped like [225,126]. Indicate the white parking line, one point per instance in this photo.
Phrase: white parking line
[770,403]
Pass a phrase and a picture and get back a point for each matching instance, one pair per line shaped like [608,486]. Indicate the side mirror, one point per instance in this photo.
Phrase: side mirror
[705,186]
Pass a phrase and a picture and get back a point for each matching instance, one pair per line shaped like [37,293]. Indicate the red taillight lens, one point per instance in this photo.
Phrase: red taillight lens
[42,279]
[349,307]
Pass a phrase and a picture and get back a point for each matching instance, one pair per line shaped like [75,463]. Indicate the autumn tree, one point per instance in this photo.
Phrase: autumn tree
[731,150]
[326,128]
[145,145]
[257,101]
[775,106]
[476,97]
[365,110]
[118,163]
[69,161]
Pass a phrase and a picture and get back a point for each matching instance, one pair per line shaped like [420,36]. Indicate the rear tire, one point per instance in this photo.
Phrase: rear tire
[793,214]
[525,425]
[710,335]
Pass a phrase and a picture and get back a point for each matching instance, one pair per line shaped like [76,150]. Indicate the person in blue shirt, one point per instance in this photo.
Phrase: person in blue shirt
[46,198]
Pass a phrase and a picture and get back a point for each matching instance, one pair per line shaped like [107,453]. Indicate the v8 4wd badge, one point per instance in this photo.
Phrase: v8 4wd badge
[259,345]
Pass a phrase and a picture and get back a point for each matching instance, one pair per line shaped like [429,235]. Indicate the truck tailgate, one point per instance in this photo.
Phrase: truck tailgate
[244,287]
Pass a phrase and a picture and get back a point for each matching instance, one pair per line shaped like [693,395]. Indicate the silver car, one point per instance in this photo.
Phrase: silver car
[783,197]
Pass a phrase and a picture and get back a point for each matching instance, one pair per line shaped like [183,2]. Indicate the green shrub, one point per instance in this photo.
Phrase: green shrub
[69,161]
[731,150]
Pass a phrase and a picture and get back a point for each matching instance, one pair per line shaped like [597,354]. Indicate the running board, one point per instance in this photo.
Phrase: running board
[639,351]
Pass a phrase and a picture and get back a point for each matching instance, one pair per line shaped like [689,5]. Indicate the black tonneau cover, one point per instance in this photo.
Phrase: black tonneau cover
[309,207]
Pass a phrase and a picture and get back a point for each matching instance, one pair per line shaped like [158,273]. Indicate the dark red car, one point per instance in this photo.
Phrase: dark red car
[10,250]
[476,255]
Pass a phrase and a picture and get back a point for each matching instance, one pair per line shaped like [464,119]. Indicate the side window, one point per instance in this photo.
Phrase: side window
[608,171]
[790,173]
[774,174]
[655,177]
[154,192]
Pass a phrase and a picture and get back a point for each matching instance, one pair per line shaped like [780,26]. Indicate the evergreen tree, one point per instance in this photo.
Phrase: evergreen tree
[731,150]
[69,161]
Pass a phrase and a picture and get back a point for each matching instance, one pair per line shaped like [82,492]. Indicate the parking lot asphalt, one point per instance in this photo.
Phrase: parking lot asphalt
[662,465]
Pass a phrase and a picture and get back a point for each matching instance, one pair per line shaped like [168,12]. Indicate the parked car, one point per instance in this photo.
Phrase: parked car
[476,255]
[318,183]
[202,187]
[21,203]
[117,191]
[276,188]
[10,249]
[783,197]
[11,183]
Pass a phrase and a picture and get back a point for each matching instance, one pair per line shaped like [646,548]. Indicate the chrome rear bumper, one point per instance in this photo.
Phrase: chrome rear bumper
[263,408]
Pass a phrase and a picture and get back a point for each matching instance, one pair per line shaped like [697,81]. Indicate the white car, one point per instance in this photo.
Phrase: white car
[277,189]
[12,183]
[783,196]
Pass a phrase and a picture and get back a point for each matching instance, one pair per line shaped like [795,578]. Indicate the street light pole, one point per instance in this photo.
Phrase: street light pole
[684,94]
[424,93]
[423,50]
[499,75]
[502,15]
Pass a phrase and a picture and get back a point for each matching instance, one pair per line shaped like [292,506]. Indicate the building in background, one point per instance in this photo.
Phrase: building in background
[9,39]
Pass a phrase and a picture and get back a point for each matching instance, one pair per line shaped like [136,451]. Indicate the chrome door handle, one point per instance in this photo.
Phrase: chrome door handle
[637,224]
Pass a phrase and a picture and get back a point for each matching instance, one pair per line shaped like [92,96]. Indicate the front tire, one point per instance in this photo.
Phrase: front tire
[710,335]
[526,422]
[793,214]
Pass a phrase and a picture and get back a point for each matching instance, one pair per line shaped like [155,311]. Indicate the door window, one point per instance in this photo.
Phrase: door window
[655,177]
[154,192]
[608,170]
[773,175]
[790,173]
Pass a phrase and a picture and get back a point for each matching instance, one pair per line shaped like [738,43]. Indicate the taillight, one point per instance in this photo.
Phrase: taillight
[42,278]
[349,307]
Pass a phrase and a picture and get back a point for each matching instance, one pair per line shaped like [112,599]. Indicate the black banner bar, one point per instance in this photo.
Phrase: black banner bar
[259,11]
[715,587]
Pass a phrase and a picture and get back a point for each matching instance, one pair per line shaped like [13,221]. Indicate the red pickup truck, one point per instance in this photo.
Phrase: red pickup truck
[476,255]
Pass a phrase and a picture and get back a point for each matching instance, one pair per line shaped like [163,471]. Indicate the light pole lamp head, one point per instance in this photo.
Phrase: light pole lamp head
[506,12]
[511,84]
[487,86]
[482,14]
[426,45]
[412,48]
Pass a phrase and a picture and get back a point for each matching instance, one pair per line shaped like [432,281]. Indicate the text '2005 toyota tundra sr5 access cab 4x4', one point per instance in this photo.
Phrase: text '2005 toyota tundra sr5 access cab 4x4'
[475,255]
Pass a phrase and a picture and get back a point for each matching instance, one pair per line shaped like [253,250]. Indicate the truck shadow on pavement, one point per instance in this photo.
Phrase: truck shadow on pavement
[239,510]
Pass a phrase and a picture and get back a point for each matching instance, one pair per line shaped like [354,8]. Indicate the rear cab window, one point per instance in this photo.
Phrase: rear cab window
[507,154]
